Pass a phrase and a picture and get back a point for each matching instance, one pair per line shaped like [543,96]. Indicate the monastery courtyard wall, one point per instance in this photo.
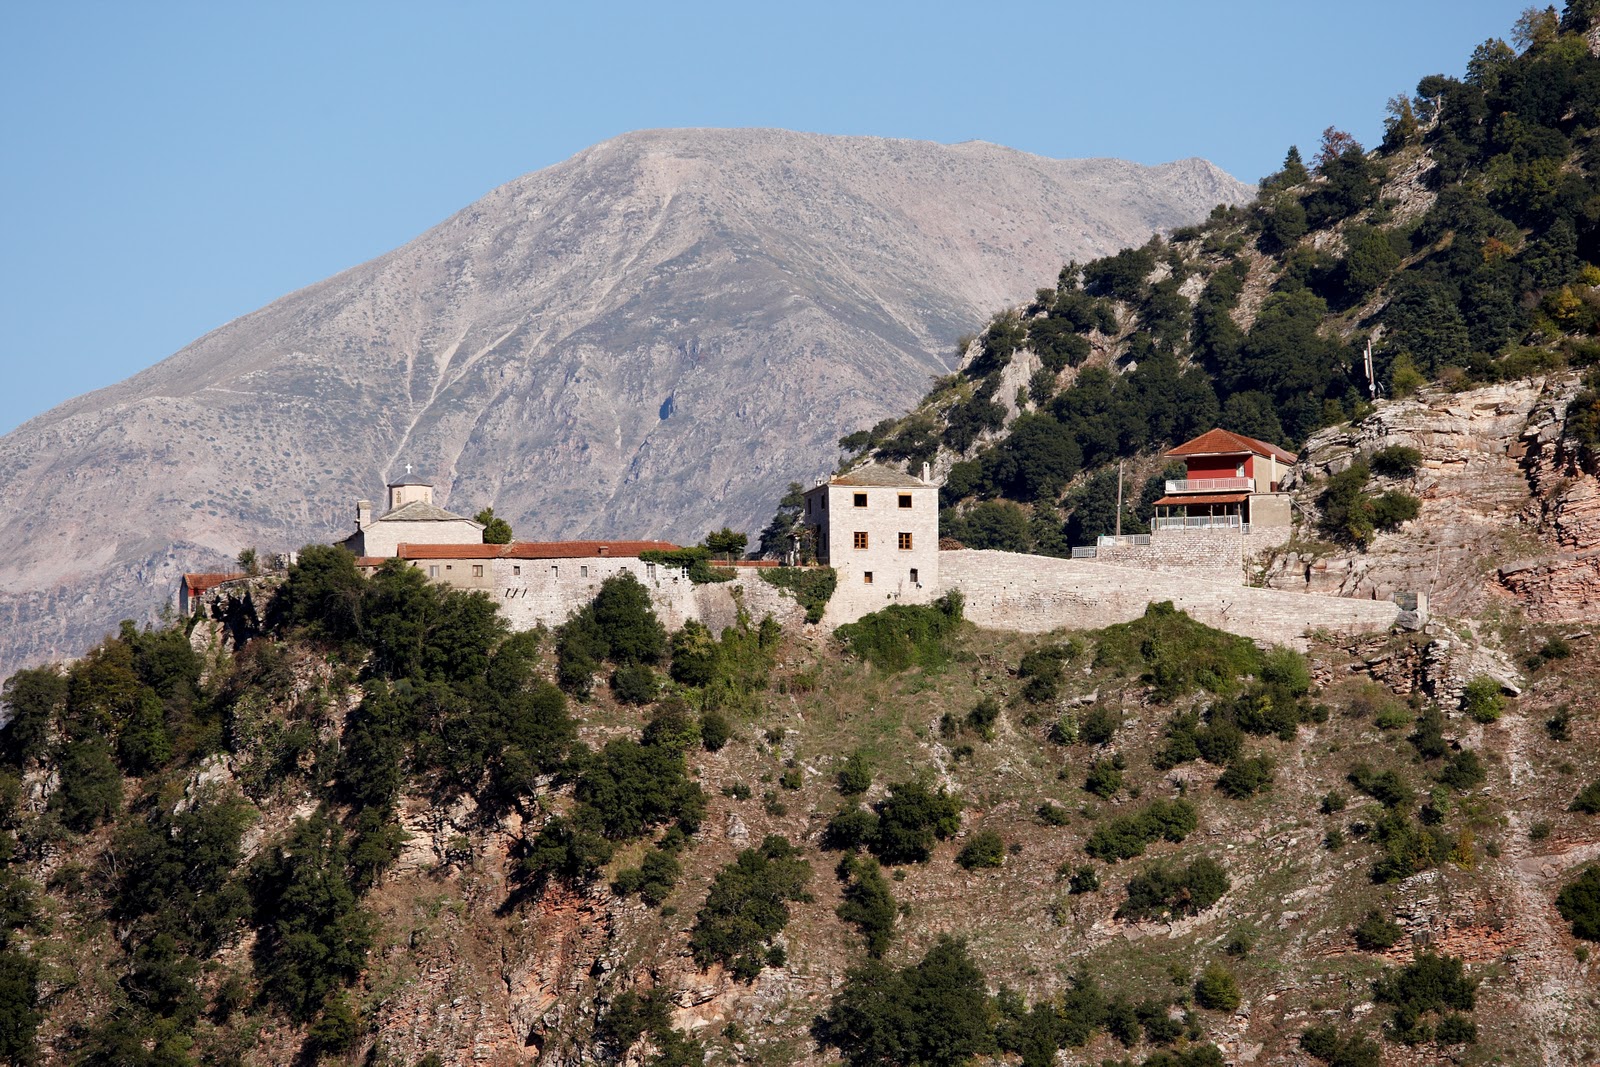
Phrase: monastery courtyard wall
[1036,594]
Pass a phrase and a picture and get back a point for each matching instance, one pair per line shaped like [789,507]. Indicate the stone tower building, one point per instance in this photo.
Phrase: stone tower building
[879,529]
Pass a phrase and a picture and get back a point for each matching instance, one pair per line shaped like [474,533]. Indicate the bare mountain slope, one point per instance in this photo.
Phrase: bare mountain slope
[648,339]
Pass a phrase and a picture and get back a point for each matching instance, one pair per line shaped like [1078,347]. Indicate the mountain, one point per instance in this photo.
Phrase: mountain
[650,339]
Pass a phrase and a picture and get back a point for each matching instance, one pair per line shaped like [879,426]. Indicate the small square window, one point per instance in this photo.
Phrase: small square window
[516,568]
[866,577]
[477,570]
[583,572]
[914,577]
[905,500]
[861,500]
[905,541]
[861,539]
[555,570]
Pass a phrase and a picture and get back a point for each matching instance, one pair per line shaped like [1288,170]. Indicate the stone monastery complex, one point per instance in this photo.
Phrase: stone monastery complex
[878,528]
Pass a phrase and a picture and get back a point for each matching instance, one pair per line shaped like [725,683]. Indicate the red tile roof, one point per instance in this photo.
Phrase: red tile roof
[534,550]
[1204,498]
[1227,443]
[200,583]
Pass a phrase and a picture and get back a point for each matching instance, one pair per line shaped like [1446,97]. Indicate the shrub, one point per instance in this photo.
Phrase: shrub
[653,879]
[904,635]
[694,655]
[91,786]
[1286,669]
[985,849]
[1579,904]
[1104,779]
[314,934]
[1128,836]
[1052,814]
[1588,799]
[1246,777]
[981,719]
[1162,889]
[715,730]
[868,903]
[935,1012]
[1176,654]
[1386,787]
[855,777]
[1376,932]
[909,819]
[1099,725]
[811,587]
[1463,771]
[1396,461]
[627,788]
[1482,700]
[747,906]
[1430,984]
[1084,880]
[634,684]
[851,829]
[1217,989]
[1042,669]
[1326,1044]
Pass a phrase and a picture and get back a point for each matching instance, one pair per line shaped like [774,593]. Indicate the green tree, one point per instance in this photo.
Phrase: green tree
[868,903]
[313,932]
[726,543]
[628,622]
[910,818]
[1217,989]
[19,1011]
[34,698]
[775,536]
[935,1012]
[91,786]
[496,531]
[748,905]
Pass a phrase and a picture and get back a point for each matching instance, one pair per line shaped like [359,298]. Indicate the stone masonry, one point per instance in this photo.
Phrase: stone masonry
[1215,554]
[1036,594]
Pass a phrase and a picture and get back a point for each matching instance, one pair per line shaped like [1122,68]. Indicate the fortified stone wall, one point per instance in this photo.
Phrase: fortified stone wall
[1035,594]
[530,592]
[1216,555]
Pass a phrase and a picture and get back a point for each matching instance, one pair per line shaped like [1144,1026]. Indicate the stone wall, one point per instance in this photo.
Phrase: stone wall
[550,591]
[1216,555]
[1035,594]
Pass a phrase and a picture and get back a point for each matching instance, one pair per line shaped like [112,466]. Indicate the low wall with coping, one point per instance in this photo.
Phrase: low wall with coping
[1214,554]
[1036,594]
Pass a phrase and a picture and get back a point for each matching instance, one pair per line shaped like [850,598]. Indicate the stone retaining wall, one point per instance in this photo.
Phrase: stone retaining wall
[1035,594]
[1217,555]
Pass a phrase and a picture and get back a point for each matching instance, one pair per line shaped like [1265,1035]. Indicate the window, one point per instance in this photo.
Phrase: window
[905,500]
[516,568]
[650,571]
[433,570]
[861,539]
[905,541]
[914,577]
[555,570]
[861,500]
[583,572]
[477,570]
[866,577]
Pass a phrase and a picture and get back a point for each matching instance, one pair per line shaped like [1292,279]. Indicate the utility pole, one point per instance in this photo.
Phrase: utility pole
[1119,498]
[1366,361]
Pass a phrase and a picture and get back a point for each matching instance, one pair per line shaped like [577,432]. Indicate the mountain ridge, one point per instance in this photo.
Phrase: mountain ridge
[650,338]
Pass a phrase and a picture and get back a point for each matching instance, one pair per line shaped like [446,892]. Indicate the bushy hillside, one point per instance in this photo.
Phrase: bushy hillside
[382,832]
[1465,248]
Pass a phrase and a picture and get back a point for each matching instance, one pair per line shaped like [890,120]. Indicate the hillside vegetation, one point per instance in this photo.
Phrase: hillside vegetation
[1465,248]
[387,830]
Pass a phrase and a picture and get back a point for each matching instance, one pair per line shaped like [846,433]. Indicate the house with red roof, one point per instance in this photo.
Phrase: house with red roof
[1230,480]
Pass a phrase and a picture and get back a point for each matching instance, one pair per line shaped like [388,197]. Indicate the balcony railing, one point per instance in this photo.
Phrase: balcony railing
[1208,485]
[1200,522]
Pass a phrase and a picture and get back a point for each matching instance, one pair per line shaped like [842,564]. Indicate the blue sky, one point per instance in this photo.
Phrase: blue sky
[170,166]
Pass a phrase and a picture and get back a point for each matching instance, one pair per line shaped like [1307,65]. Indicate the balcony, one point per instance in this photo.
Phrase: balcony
[1209,485]
[1199,522]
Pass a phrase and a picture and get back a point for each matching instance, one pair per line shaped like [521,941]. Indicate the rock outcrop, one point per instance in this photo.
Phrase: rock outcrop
[1506,506]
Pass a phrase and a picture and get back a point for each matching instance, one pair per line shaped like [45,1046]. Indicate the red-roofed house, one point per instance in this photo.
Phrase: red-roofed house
[1231,480]
[194,586]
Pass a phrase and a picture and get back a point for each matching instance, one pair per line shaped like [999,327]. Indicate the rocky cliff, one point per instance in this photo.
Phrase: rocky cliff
[648,339]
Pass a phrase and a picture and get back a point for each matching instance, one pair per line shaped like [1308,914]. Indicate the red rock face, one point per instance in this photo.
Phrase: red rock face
[1565,584]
